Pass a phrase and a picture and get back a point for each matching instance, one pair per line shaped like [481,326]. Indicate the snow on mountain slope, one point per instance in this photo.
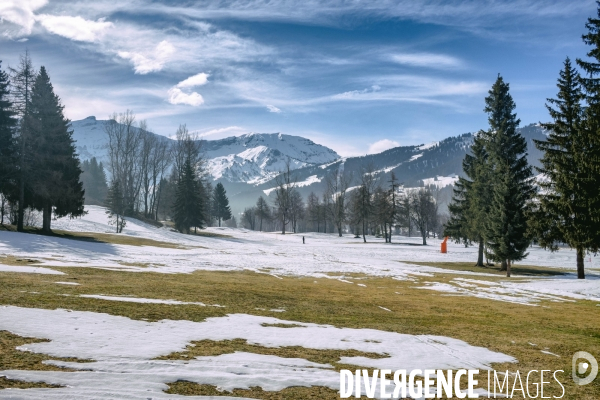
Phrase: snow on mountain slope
[253,158]
[90,138]
[256,158]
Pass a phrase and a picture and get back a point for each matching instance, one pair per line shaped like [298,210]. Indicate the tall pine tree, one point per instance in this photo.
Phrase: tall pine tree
[589,144]
[94,181]
[7,129]
[563,214]
[56,172]
[115,206]
[507,225]
[22,80]
[471,200]
[221,209]
[188,209]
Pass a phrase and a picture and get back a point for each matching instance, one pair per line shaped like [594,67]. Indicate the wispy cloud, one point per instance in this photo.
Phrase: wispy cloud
[382,145]
[195,80]
[217,133]
[429,60]
[17,17]
[151,60]
[75,28]
[273,109]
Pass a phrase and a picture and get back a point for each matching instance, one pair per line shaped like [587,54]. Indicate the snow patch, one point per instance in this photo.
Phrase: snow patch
[123,351]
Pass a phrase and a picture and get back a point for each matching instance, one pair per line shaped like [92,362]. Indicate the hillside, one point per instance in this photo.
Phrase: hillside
[248,164]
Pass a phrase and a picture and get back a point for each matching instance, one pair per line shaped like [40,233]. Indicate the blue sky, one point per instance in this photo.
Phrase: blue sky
[357,76]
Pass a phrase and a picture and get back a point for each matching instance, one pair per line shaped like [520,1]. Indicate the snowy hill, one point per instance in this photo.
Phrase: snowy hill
[248,164]
[256,158]
[253,158]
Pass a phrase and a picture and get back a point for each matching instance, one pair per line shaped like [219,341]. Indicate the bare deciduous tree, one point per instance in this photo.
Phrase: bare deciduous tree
[337,186]
[285,186]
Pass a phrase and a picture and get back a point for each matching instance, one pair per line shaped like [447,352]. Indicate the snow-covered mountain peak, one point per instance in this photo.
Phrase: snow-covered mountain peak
[251,158]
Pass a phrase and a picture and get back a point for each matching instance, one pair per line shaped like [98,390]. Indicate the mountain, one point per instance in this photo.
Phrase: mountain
[248,164]
[253,158]
[257,158]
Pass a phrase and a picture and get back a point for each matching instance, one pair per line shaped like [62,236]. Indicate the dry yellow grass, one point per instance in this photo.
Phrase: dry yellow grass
[562,328]
[310,393]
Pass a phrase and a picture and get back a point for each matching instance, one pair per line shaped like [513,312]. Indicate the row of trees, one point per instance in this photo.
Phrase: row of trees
[372,207]
[496,204]
[141,184]
[39,168]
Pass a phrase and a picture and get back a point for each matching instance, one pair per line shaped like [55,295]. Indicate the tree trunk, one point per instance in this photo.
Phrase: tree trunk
[480,254]
[46,218]
[424,235]
[21,212]
[260,224]
[580,270]
[503,266]
[508,268]
[363,232]
[219,221]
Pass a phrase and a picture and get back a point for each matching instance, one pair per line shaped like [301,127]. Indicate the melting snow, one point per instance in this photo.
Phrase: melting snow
[124,352]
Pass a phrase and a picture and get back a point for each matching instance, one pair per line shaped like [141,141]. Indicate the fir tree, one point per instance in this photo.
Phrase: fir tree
[588,146]
[221,209]
[471,201]
[115,206]
[94,181]
[56,171]
[22,80]
[188,209]
[506,229]
[7,128]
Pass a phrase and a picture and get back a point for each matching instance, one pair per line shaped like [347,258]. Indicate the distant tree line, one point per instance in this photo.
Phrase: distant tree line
[370,208]
[497,205]
[39,167]
[153,179]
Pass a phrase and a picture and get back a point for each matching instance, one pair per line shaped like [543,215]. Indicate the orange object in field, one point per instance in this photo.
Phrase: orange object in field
[445,245]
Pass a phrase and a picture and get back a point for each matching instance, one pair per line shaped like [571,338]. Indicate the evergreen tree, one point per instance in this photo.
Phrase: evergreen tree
[221,209]
[588,138]
[472,196]
[22,80]
[115,206]
[506,229]
[94,181]
[7,129]
[188,209]
[56,171]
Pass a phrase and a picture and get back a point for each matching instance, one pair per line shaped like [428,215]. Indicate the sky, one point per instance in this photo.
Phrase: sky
[357,76]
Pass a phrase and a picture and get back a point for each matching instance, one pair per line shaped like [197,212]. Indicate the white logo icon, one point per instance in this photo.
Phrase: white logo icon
[583,367]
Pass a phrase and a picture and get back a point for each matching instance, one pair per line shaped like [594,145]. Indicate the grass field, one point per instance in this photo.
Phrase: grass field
[522,331]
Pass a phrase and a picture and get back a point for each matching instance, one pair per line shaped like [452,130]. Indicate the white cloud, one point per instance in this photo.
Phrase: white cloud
[195,80]
[75,28]
[176,96]
[382,145]
[149,61]
[438,61]
[218,133]
[17,16]
[273,109]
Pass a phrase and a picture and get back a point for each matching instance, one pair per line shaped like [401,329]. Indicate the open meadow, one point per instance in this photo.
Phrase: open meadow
[231,313]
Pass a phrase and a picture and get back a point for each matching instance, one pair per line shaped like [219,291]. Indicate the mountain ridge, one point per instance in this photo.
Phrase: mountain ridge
[248,164]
